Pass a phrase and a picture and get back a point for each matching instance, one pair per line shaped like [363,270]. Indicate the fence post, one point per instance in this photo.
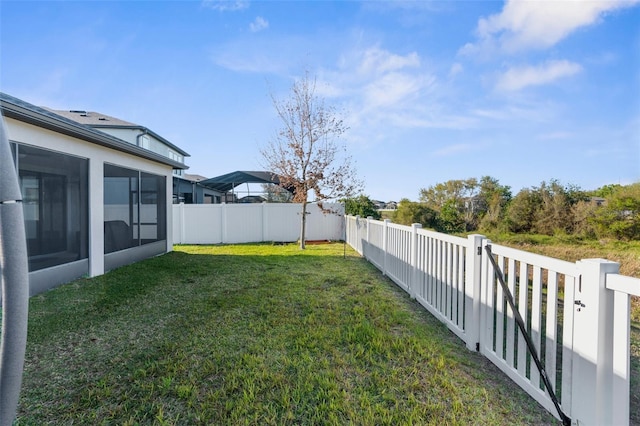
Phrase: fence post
[263,213]
[592,387]
[345,228]
[385,244]
[182,223]
[223,223]
[472,279]
[414,259]
[359,244]
[621,357]
[369,219]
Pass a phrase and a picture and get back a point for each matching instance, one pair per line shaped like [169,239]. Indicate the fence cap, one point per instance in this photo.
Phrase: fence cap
[597,260]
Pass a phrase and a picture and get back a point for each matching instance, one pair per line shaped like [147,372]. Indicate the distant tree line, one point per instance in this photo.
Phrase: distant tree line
[485,205]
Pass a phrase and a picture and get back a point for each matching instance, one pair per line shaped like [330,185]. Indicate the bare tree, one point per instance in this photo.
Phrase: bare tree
[306,153]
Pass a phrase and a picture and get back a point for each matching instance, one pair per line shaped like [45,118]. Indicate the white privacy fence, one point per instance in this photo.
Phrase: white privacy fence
[576,314]
[248,223]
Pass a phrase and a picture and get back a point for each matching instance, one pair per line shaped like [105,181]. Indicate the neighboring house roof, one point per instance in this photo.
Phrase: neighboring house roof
[229,181]
[191,178]
[20,110]
[194,178]
[98,120]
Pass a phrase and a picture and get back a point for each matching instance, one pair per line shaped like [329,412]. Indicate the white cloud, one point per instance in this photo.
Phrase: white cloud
[518,78]
[259,24]
[382,77]
[381,84]
[254,62]
[538,24]
[393,88]
[375,60]
[382,92]
[517,110]
[263,55]
[387,95]
[455,69]
[226,5]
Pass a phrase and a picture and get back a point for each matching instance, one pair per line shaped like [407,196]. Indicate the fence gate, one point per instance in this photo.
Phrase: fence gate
[543,294]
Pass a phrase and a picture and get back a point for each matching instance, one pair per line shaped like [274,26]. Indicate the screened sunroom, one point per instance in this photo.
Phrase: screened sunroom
[91,201]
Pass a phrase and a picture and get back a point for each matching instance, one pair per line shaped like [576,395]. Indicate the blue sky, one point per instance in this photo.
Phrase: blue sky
[521,91]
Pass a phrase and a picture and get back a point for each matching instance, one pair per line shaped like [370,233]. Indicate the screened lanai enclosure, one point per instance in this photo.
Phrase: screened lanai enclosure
[248,187]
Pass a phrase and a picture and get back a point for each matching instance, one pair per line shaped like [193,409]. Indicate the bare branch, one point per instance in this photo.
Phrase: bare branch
[306,152]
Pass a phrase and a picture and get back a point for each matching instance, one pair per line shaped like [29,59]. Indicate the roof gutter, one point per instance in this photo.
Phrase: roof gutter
[140,136]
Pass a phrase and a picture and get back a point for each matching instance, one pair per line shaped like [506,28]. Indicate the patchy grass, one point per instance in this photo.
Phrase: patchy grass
[253,334]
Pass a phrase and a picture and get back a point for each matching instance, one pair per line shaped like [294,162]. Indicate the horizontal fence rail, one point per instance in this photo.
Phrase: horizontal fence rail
[577,315]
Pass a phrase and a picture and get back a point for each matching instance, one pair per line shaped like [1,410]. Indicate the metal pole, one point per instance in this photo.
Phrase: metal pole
[14,274]
[344,230]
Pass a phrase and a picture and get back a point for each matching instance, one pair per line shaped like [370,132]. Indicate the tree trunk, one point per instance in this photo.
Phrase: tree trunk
[303,226]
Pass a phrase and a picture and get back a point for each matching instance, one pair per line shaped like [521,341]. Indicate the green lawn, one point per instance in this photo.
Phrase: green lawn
[254,334]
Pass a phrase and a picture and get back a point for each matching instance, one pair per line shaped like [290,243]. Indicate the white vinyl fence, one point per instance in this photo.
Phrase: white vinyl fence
[248,223]
[577,314]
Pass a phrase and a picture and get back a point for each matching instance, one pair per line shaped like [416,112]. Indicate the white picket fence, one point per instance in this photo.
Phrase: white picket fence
[577,314]
[247,223]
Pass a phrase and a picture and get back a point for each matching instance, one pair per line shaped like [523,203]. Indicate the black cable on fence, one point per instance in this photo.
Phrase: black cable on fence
[566,420]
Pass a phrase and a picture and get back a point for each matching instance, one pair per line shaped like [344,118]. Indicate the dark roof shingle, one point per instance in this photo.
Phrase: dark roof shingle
[99,120]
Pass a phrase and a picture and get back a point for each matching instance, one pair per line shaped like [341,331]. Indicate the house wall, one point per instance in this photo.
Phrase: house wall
[128,135]
[155,145]
[97,262]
